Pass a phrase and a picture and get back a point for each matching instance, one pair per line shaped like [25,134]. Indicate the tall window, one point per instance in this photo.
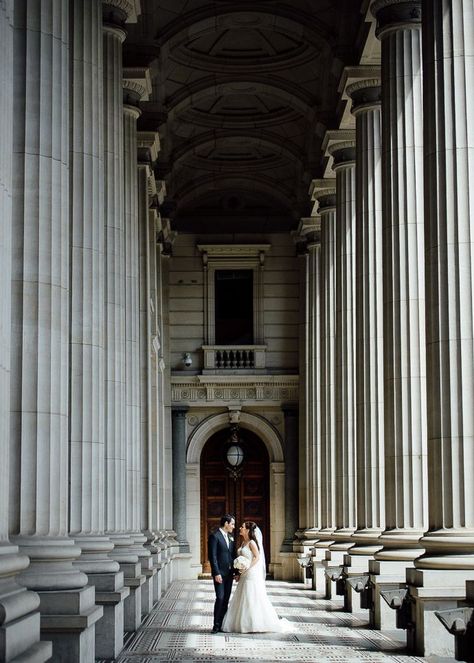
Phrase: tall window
[233,290]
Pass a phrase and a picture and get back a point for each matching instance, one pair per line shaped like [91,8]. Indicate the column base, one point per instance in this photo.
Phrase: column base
[432,590]
[19,615]
[133,579]
[68,619]
[319,555]
[385,576]
[110,593]
[149,571]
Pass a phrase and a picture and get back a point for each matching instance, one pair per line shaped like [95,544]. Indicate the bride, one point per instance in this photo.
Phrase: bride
[250,610]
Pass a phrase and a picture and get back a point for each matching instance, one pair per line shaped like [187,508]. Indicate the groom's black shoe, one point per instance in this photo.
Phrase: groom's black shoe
[216,629]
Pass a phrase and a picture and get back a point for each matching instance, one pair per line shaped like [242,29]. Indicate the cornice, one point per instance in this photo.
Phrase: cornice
[247,390]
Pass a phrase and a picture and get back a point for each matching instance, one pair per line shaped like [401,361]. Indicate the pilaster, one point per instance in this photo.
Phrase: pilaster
[179,475]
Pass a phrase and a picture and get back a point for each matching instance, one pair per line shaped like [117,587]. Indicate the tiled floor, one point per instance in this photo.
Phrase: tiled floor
[179,630]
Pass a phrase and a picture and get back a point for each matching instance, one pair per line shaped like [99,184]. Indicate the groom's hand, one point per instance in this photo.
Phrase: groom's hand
[218,579]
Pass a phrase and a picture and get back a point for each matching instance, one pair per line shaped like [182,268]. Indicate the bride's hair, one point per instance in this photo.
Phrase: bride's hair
[251,526]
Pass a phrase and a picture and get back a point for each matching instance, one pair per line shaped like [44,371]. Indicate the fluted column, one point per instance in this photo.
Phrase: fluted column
[327,209]
[19,616]
[366,107]
[314,468]
[115,434]
[40,295]
[398,27]
[345,455]
[87,519]
[146,335]
[132,319]
[448,68]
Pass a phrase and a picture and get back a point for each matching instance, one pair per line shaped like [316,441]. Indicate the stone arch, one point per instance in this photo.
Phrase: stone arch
[254,422]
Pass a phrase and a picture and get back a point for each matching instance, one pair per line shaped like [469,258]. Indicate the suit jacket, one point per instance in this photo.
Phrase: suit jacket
[221,557]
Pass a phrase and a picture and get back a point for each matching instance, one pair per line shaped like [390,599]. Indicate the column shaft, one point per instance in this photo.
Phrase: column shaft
[314,468]
[87,487]
[132,320]
[291,475]
[327,209]
[369,309]
[19,618]
[403,274]
[115,434]
[179,476]
[448,51]
[345,455]
[40,296]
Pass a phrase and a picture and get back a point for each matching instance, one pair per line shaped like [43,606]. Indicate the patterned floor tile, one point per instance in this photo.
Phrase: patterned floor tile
[179,627]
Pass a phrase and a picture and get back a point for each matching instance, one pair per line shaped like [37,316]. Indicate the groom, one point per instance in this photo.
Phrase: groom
[221,550]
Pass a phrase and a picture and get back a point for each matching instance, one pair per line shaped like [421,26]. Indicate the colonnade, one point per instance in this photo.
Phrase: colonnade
[396,322]
[86,538]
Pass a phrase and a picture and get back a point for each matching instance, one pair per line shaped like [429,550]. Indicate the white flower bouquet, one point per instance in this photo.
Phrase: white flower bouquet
[241,563]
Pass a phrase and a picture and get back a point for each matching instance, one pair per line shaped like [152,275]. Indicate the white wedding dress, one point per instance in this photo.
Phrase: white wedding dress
[250,609]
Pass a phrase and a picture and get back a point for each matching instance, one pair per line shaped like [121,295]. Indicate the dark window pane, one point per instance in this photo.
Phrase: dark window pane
[234,306]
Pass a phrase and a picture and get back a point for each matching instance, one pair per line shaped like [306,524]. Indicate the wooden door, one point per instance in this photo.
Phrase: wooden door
[247,496]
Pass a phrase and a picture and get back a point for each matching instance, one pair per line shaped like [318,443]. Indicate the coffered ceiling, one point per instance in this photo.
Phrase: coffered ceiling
[243,91]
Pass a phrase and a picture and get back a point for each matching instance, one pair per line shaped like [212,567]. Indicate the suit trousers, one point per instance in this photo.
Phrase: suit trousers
[223,591]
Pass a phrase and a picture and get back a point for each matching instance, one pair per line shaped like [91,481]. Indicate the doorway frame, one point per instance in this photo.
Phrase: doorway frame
[273,443]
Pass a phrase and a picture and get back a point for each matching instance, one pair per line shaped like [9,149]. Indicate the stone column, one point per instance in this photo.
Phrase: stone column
[314,381]
[87,438]
[179,476]
[344,167]
[448,68]
[114,16]
[39,435]
[19,616]
[146,189]
[290,413]
[326,197]
[399,28]
[366,106]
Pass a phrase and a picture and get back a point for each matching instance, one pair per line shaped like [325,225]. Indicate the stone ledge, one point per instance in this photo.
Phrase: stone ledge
[70,623]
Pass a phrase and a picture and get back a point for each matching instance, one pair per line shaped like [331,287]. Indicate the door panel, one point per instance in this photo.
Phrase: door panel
[247,496]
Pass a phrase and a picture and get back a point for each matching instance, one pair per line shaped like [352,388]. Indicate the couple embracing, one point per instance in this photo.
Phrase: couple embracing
[250,610]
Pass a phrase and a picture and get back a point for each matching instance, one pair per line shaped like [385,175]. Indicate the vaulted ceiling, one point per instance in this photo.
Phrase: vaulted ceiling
[243,91]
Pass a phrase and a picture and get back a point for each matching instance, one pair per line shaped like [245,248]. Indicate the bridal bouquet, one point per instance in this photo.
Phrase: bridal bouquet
[241,563]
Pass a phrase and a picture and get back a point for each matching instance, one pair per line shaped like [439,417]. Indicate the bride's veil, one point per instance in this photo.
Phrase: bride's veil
[259,537]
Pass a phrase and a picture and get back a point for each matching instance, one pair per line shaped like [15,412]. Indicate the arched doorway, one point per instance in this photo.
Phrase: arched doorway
[245,495]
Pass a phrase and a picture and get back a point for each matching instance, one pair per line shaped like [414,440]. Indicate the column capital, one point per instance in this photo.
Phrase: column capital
[343,154]
[179,411]
[290,409]
[395,15]
[324,193]
[332,137]
[148,144]
[118,12]
[366,95]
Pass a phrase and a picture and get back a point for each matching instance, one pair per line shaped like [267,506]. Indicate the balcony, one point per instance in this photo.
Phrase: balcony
[234,358]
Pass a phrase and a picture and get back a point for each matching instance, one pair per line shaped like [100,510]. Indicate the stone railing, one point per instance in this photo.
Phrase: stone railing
[234,357]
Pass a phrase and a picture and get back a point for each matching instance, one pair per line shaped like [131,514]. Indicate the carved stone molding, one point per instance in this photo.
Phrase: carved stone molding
[248,390]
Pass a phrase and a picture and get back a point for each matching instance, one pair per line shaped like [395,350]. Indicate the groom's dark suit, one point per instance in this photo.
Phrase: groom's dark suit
[221,558]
